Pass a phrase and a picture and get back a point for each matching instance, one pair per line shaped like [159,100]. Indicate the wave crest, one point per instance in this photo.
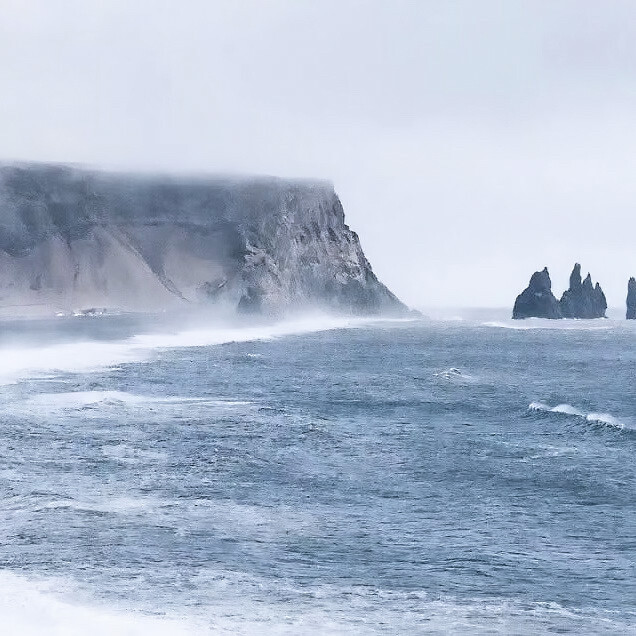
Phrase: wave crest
[605,419]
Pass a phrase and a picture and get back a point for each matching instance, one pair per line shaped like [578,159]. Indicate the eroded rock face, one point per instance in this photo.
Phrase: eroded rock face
[583,299]
[631,299]
[537,300]
[73,238]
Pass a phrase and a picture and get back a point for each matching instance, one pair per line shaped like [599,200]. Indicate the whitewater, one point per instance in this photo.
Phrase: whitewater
[321,475]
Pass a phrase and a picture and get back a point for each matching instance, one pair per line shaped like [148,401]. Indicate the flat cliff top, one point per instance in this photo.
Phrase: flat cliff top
[37,200]
[126,196]
[139,177]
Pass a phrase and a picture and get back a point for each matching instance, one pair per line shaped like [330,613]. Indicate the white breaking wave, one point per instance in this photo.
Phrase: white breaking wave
[17,364]
[30,609]
[35,607]
[605,418]
[567,409]
[454,374]
[541,323]
[28,362]
[447,374]
[74,400]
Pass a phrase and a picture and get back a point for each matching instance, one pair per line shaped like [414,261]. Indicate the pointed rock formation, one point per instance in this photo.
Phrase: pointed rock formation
[631,299]
[583,299]
[537,300]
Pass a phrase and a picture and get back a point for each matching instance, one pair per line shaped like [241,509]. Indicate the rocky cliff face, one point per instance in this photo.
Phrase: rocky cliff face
[583,299]
[73,239]
[631,299]
[537,300]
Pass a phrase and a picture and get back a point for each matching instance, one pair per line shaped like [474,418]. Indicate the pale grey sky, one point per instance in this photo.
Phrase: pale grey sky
[471,142]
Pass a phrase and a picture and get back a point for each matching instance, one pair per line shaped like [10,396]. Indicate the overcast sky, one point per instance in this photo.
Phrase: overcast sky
[471,142]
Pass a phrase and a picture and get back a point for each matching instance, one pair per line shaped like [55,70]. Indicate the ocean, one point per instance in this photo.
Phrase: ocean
[469,475]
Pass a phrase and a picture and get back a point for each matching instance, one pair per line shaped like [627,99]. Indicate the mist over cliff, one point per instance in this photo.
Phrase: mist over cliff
[73,238]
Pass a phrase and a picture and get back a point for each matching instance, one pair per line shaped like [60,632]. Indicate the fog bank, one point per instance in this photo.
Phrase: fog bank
[471,143]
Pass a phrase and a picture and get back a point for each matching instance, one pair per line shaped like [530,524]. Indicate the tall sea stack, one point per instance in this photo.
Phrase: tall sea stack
[631,299]
[73,239]
[583,299]
[537,300]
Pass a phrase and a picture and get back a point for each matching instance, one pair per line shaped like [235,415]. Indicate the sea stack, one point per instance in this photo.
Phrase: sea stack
[537,300]
[583,299]
[631,299]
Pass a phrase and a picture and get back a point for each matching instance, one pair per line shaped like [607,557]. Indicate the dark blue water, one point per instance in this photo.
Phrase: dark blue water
[429,477]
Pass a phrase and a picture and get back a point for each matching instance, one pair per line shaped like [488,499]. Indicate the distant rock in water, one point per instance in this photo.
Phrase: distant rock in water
[537,300]
[583,299]
[631,299]
[72,239]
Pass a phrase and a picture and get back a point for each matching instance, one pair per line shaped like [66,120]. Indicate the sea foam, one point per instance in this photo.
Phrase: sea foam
[29,608]
[28,362]
[73,400]
[557,325]
[453,374]
[605,419]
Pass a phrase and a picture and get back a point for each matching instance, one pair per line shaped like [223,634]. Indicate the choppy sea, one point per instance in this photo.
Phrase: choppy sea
[317,476]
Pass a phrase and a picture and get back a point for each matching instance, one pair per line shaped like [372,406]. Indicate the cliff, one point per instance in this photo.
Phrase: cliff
[631,299]
[583,299]
[72,239]
[537,300]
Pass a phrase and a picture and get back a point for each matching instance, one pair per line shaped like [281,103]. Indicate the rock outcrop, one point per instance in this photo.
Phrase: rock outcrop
[537,300]
[583,299]
[71,239]
[631,299]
